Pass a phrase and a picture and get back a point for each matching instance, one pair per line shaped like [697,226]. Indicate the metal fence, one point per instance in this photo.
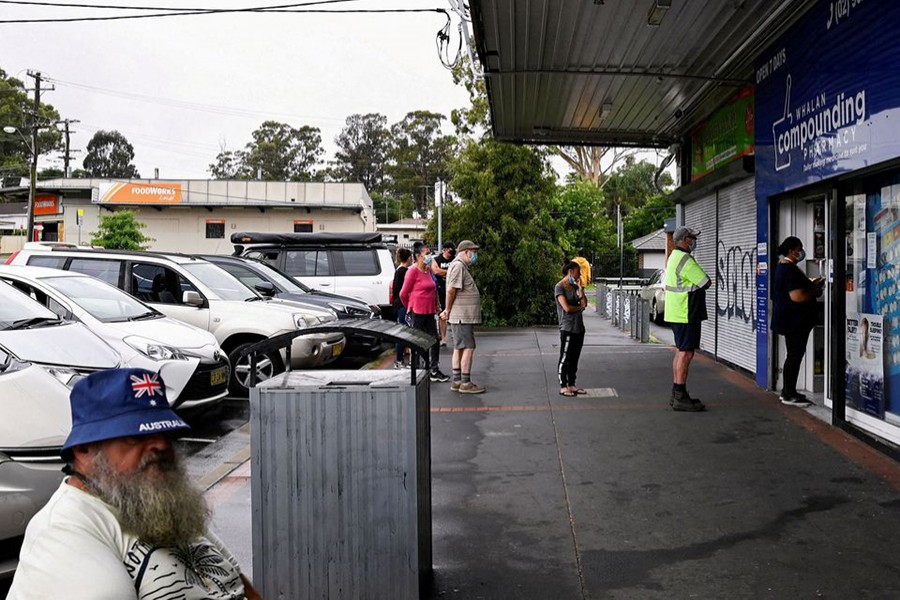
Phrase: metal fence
[625,308]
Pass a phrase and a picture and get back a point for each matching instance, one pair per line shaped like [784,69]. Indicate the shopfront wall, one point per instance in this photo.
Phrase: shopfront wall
[727,252]
[828,111]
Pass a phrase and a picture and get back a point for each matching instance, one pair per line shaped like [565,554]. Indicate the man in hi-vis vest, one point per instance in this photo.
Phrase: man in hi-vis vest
[686,284]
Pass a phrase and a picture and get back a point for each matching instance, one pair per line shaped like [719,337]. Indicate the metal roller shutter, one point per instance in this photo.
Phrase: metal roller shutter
[701,214]
[734,302]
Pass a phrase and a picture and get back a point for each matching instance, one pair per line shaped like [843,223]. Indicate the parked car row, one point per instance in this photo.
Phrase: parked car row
[67,311]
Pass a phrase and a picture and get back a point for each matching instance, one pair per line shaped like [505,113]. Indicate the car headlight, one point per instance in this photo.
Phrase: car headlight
[301,322]
[154,350]
[352,311]
[67,377]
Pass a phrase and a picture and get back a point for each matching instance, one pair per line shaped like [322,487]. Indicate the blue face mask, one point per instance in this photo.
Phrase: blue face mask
[474,258]
[571,280]
[802,256]
[693,244]
[428,259]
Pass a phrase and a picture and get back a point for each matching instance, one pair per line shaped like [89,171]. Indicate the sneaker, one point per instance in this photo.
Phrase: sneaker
[398,365]
[439,377]
[454,386]
[795,399]
[470,388]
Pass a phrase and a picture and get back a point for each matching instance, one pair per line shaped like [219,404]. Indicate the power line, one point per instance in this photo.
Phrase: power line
[169,8]
[284,8]
[210,108]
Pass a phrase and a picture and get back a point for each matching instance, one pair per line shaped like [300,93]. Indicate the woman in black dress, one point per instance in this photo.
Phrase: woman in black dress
[794,314]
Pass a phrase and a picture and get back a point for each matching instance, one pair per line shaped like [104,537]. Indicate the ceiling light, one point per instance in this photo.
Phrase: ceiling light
[605,110]
[657,12]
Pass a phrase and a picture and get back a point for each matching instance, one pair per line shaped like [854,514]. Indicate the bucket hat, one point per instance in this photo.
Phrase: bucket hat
[120,403]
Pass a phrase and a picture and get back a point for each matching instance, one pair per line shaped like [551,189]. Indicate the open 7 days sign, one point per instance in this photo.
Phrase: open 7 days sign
[828,95]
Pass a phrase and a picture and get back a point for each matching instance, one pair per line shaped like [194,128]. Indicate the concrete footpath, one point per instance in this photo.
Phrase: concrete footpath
[613,495]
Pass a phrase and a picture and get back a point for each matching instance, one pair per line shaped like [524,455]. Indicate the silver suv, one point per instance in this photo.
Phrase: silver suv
[201,294]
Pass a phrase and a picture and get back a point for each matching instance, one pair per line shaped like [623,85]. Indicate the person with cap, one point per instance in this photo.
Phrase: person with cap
[463,312]
[686,284]
[126,522]
[439,269]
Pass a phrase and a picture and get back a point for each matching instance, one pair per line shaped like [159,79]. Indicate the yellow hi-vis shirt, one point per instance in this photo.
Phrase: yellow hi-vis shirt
[685,288]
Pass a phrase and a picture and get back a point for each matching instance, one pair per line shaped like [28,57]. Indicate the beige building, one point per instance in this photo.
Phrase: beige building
[197,216]
[408,231]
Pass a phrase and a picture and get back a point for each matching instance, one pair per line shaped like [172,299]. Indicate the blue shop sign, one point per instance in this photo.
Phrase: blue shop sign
[828,95]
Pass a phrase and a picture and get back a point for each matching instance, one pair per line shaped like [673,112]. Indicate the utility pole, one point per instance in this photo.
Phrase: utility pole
[68,154]
[34,153]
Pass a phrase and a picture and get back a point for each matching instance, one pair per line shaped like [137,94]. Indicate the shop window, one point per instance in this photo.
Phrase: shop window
[215,230]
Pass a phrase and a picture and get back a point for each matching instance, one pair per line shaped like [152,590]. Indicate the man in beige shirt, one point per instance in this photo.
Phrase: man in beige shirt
[463,312]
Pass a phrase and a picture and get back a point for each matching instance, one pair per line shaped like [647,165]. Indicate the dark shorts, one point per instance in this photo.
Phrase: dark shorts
[687,335]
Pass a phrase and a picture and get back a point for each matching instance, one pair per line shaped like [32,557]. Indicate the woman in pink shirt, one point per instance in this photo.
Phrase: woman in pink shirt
[419,296]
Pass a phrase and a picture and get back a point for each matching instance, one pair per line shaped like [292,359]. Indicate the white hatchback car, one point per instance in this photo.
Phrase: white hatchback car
[189,359]
[33,333]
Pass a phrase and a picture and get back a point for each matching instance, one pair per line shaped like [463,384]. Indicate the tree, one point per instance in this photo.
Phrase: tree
[631,185]
[507,193]
[109,155]
[120,231]
[473,120]
[50,173]
[420,156]
[229,165]
[579,210]
[15,111]
[390,208]
[280,152]
[363,146]
[587,161]
[649,217]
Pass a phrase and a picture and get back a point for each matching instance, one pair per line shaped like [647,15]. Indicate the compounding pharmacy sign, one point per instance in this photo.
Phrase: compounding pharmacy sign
[828,95]
[140,193]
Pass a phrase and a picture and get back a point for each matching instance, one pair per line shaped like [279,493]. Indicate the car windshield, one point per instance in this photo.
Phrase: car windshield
[223,284]
[103,301]
[16,308]
[283,281]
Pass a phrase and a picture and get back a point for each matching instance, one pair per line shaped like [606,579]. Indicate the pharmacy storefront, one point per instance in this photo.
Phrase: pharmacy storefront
[828,171]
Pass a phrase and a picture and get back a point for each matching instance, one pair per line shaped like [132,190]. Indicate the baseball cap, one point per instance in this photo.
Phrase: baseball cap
[119,403]
[685,232]
[467,245]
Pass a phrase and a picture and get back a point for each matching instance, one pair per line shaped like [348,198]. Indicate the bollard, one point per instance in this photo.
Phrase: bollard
[645,320]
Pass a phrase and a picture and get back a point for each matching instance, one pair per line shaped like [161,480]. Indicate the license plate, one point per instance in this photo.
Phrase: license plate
[219,376]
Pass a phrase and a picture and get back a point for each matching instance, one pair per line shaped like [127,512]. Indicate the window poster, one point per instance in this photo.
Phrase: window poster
[865,363]
[873,302]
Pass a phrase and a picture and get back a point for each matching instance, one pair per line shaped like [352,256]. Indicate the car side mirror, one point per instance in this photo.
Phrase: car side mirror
[266,288]
[192,298]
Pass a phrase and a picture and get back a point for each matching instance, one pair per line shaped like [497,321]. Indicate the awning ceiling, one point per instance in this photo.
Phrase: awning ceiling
[595,72]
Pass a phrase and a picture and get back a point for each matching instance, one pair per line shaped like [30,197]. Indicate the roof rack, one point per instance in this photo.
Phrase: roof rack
[306,238]
[126,252]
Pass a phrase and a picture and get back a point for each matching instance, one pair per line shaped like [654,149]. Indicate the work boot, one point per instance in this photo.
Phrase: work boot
[682,402]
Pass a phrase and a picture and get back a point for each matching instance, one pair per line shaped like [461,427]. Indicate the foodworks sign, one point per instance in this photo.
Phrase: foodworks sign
[828,95]
[140,193]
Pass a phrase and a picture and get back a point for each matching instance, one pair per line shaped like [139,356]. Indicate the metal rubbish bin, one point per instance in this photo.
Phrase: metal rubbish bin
[341,484]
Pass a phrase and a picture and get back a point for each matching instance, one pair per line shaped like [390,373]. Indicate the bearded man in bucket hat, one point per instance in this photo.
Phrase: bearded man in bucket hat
[126,522]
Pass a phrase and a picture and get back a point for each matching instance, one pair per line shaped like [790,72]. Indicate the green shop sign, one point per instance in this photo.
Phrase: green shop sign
[726,136]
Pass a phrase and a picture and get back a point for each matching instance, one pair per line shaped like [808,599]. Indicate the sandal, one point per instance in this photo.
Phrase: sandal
[567,394]
[580,391]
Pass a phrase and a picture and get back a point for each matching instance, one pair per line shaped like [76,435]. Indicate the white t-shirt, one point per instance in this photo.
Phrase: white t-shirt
[74,548]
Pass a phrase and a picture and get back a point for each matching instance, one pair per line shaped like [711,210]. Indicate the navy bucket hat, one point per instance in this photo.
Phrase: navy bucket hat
[120,403]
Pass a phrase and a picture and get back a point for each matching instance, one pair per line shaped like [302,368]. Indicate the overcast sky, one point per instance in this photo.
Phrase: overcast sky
[303,69]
